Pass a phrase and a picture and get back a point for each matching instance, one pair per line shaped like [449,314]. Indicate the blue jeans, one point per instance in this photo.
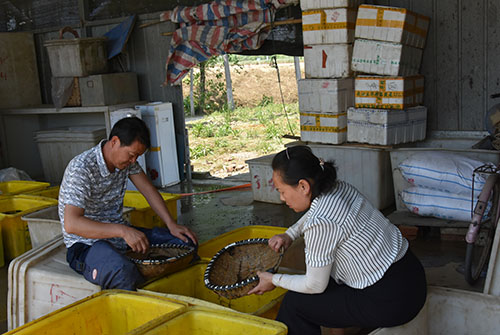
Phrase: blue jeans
[104,265]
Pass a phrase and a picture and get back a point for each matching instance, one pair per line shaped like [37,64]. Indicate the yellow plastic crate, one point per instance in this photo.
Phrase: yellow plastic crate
[202,321]
[15,234]
[51,192]
[2,260]
[106,312]
[143,215]
[21,186]
[189,282]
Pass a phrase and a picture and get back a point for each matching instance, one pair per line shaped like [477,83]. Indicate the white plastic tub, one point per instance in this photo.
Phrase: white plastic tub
[366,168]
[261,173]
[453,312]
[41,282]
[58,146]
[45,224]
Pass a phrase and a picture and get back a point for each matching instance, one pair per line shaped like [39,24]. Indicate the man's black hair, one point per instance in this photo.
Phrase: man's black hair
[130,129]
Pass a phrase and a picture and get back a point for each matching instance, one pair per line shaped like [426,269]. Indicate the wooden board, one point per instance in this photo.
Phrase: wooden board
[19,83]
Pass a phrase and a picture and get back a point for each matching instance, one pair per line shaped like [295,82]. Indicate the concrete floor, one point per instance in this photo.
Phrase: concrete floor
[212,214]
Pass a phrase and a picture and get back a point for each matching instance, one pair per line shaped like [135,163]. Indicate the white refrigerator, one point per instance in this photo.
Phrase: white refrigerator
[114,117]
[161,158]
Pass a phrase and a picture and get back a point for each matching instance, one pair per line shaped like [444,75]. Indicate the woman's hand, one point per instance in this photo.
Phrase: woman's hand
[265,283]
[280,240]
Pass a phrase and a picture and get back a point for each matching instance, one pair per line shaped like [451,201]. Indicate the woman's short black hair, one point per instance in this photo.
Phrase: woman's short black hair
[130,129]
[298,162]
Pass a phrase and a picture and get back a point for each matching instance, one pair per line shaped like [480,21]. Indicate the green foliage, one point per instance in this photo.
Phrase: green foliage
[265,101]
[200,151]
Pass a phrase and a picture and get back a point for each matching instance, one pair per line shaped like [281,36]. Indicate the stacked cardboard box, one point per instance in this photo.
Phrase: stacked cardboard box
[328,90]
[388,45]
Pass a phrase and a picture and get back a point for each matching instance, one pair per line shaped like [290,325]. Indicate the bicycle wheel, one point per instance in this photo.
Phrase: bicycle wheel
[478,253]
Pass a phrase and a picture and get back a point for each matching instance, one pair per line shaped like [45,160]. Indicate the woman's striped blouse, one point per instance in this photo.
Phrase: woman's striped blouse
[343,228]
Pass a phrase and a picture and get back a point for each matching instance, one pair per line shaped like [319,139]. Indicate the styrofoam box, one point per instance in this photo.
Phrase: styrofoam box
[44,283]
[385,58]
[388,92]
[386,127]
[161,159]
[327,60]
[261,173]
[446,145]
[58,146]
[326,95]
[367,169]
[328,25]
[315,4]
[392,24]
[108,89]
[323,127]
[451,311]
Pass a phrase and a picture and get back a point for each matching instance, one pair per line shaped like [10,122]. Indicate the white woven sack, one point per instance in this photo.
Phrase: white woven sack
[428,202]
[443,171]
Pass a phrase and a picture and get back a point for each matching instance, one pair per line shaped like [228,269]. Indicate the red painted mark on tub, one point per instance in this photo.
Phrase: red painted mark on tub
[56,293]
[257,181]
[270,182]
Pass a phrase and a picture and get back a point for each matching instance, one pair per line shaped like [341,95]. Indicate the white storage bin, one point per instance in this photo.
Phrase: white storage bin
[109,89]
[328,25]
[456,142]
[326,95]
[42,282]
[385,58]
[261,173]
[392,24]
[78,57]
[367,169]
[44,225]
[58,146]
[386,127]
[388,92]
[323,127]
[327,60]
[454,312]
[315,4]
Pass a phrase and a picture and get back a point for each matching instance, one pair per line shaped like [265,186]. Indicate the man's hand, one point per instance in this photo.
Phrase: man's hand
[136,239]
[280,240]
[265,283]
[181,232]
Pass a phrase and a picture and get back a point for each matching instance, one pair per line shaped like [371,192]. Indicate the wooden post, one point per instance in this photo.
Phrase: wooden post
[191,94]
[229,84]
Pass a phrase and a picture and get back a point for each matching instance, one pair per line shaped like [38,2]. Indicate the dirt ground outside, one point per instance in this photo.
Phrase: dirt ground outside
[252,83]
